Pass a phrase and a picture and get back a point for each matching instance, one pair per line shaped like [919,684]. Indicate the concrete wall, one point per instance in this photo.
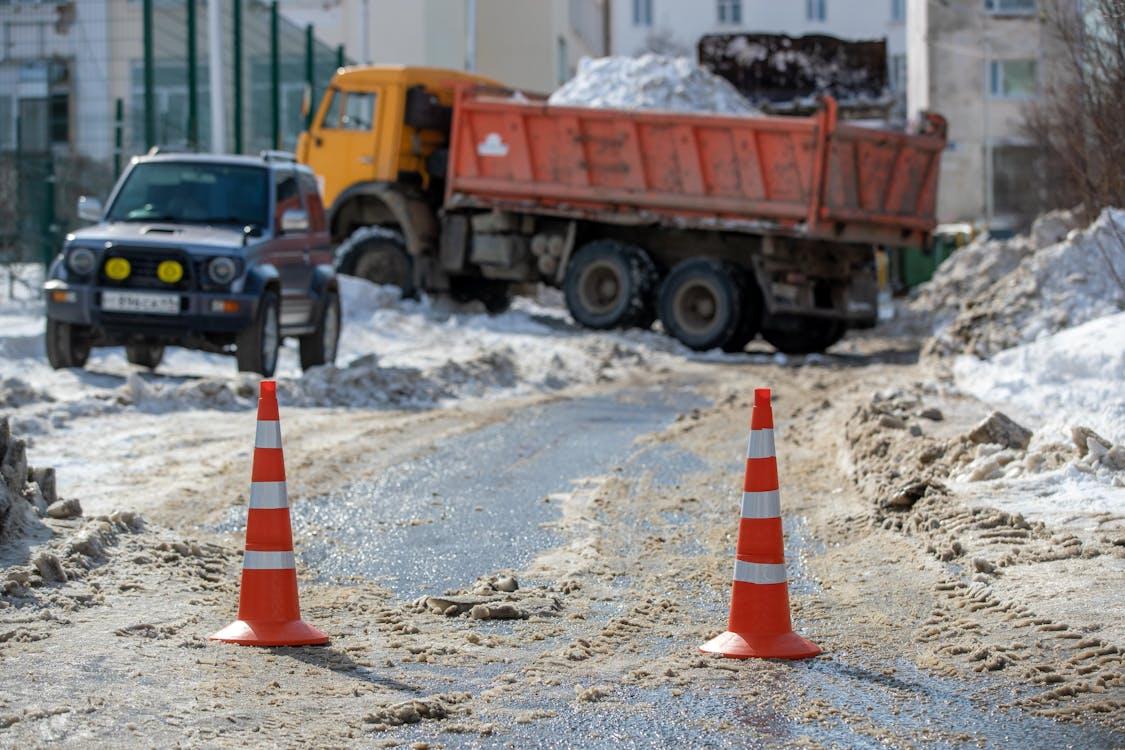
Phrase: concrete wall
[951,46]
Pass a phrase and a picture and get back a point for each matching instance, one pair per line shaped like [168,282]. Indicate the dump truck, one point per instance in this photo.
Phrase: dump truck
[722,227]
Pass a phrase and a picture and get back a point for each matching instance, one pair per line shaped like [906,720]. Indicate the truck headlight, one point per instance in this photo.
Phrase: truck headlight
[222,270]
[81,260]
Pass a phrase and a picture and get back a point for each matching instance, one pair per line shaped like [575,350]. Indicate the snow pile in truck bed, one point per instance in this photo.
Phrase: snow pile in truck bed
[992,296]
[650,82]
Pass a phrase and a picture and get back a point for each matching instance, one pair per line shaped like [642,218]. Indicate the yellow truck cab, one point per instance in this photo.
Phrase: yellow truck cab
[378,144]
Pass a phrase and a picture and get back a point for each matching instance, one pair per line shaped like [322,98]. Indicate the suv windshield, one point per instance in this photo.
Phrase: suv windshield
[194,193]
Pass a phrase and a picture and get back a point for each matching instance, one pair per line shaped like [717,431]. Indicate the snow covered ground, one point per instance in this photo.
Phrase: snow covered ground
[1073,378]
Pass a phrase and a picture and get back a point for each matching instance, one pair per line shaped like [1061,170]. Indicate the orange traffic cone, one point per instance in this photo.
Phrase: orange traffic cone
[759,608]
[269,613]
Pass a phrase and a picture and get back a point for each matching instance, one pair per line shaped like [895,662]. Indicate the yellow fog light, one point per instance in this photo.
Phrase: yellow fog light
[118,269]
[170,271]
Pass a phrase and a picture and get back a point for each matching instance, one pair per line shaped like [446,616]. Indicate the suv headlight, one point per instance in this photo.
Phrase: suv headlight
[222,270]
[81,260]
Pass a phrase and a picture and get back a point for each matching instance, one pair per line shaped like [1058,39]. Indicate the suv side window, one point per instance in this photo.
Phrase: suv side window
[313,203]
[287,194]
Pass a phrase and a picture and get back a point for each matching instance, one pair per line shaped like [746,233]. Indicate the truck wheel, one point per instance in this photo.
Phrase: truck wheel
[751,319]
[319,347]
[701,303]
[609,284]
[144,354]
[382,260]
[256,347]
[804,334]
[68,345]
[496,296]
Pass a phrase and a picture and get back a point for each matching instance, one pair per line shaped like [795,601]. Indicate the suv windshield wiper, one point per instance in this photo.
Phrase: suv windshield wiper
[157,217]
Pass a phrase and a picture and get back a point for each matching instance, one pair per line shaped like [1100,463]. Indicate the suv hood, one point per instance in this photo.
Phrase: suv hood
[183,236]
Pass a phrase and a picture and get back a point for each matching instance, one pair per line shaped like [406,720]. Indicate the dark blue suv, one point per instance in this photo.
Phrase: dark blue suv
[224,254]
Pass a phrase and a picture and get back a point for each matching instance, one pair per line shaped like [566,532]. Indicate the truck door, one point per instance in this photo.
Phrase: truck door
[287,251]
[341,147]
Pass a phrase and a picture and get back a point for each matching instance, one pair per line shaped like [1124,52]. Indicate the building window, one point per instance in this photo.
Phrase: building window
[562,61]
[1010,7]
[898,11]
[816,10]
[642,12]
[730,12]
[896,72]
[1011,79]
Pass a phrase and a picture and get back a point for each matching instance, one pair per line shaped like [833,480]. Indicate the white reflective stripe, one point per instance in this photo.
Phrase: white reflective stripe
[269,435]
[748,572]
[761,444]
[255,560]
[268,495]
[756,504]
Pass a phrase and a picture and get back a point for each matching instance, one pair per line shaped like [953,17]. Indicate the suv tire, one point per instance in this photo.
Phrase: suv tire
[257,346]
[68,345]
[610,284]
[701,303]
[383,260]
[319,347]
[144,354]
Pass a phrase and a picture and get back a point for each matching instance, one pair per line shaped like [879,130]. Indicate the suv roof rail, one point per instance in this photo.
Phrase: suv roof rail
[276,155]
[157,150]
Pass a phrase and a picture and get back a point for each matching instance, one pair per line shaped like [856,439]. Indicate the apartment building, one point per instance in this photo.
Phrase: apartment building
[979,63]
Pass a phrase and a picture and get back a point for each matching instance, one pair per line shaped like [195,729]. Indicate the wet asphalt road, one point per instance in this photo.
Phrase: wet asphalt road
[477,507]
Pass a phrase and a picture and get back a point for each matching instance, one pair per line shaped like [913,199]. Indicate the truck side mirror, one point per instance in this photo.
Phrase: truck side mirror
[89,209]
[294,221]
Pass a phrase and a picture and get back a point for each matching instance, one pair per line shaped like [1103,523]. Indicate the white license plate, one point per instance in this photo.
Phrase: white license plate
[141,302]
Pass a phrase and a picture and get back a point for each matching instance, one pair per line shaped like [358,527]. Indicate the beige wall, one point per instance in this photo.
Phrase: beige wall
[949,48]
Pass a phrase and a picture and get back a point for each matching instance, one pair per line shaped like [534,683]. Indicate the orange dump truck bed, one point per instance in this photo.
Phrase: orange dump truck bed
[811,176]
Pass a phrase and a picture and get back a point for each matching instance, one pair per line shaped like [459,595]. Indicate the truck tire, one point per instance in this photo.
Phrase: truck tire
[610,284]
[751,320]
[319,347]
[68,345]
[496,296]
[145,354]
[382,260]
[256,347]
[701,303]
[804,334]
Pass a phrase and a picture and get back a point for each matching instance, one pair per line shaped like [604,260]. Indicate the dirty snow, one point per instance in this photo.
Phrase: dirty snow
[650,82]
[992,296]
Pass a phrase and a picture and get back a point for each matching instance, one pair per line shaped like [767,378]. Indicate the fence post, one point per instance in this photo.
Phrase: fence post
[339,56]
[118,136]
[149,77]
[237,52]
[310,72]
[49,228]
[192,77]
[275,75]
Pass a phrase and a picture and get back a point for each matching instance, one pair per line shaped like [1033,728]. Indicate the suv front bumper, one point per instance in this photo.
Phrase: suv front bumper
[200,313]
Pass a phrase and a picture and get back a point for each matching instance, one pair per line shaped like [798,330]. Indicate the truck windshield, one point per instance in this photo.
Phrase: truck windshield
[194,193]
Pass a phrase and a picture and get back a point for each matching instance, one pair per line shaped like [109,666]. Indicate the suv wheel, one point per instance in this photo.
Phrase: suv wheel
[319,347]
[68,345]
[145,354]
[258,344]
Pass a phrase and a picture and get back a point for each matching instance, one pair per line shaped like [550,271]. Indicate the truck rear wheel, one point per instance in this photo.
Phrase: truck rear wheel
[609,284]
[381,260]
[804,334]
[751,319]
[68,345]
[495,295]
[144,354]
[701,303]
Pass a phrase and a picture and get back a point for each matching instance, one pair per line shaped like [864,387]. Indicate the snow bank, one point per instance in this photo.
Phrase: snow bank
[1075,377]
[650,82]
[992,296]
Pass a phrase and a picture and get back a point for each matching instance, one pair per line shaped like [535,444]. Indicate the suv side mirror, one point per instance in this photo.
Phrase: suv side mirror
[89,209]
[294,221]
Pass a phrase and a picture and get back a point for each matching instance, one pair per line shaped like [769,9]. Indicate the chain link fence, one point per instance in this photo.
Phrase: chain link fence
[87,84]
